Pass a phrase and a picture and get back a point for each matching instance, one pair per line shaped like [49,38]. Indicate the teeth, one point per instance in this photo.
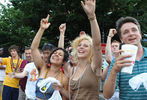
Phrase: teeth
[81,51]
[55,58]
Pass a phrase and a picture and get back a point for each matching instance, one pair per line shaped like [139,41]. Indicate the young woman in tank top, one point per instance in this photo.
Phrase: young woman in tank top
[83,84]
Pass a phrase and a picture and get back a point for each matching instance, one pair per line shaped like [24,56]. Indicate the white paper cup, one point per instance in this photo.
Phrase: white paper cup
[129,50]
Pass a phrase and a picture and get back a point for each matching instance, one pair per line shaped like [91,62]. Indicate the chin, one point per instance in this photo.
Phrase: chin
[133,43]
[81,57]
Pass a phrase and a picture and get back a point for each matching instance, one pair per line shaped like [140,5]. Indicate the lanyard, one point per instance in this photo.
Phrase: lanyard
[56,75]
[12,65]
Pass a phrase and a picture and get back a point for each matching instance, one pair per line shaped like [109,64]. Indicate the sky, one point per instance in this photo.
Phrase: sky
[4,2]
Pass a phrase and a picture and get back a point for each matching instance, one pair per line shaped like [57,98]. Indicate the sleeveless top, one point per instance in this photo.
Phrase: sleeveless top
[86,87]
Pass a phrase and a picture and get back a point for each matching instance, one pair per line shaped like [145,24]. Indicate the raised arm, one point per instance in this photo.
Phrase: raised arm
[62,29]
[108,53]
[44,24]
[89,8]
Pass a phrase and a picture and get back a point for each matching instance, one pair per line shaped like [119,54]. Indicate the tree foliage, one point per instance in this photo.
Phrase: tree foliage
[20,23]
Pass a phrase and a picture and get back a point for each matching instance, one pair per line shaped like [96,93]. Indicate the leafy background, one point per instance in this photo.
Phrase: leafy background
[21,20]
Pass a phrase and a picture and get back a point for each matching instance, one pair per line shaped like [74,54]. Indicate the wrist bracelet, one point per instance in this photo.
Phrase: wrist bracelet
[92,18]
[109,36]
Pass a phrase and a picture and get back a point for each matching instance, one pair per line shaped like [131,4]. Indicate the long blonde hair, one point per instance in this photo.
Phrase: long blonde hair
[75,44]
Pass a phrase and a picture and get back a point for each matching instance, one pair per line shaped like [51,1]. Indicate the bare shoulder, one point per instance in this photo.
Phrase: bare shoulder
[71,71]
[65,82]
[65,78]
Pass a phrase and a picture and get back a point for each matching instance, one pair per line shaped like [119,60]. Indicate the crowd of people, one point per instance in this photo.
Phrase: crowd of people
[75,73]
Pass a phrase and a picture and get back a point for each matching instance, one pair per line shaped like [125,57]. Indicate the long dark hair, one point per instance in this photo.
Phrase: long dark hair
[66,55]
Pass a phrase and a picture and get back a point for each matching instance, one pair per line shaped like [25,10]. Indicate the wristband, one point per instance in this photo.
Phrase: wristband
[92,18]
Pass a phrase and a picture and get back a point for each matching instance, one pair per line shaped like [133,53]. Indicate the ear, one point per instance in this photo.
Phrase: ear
[141,34]
[121,40]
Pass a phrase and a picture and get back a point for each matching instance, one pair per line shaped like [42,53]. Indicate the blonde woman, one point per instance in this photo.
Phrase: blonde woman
[83,84]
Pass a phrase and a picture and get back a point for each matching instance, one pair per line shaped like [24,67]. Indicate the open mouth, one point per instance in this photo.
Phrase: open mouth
[55,58]
[132,39]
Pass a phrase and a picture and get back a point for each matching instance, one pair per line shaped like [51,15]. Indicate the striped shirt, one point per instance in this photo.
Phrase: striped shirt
[122,81]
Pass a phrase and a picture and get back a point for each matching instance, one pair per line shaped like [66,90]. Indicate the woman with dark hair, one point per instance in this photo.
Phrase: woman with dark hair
[51,78]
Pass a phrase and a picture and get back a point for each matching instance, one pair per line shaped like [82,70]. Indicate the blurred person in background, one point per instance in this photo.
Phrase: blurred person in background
[11,86]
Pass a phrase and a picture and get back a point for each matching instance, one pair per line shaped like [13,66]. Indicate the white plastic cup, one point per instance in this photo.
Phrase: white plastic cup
[129,49]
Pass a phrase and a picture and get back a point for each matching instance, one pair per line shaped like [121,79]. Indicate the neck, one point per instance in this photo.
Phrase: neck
[55,68]
[82,62]
[15,57]
[139,52]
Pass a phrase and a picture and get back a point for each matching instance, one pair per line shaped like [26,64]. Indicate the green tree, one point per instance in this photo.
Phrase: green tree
[12,28]
[28,13]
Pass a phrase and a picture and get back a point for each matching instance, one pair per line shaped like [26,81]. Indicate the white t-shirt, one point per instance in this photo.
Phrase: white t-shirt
[2,73]
[31,81]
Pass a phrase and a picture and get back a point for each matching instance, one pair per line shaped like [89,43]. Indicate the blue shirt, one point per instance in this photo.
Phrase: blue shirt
[122,81]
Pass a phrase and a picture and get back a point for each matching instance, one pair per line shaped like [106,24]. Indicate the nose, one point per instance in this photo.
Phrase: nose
[57,54]
[28,55]
[81,46]
[131,33]
[45,55]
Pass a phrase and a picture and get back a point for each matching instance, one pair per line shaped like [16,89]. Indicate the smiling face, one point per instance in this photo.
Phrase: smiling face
[83,49]
[130,34]
[115,46]
[28,55]
[13,53]
[57,57]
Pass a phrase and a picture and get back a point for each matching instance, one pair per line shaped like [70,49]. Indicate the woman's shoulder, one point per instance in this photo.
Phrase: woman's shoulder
[65,78]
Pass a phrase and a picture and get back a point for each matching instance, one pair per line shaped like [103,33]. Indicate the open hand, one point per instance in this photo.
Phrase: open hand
[89,7]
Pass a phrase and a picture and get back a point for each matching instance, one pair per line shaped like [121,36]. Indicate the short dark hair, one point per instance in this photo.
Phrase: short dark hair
[66,55]
[115,41]
[48,46]
[27,48]
[124,20]
[13,47]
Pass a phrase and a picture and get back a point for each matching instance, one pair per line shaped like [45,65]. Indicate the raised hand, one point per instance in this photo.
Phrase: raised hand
[44,24]
[89,7]
[62,28]
[112,32]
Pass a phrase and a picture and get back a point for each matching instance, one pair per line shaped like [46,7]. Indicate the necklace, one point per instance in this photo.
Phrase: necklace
[55,75]
[12,65]
[79,82]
